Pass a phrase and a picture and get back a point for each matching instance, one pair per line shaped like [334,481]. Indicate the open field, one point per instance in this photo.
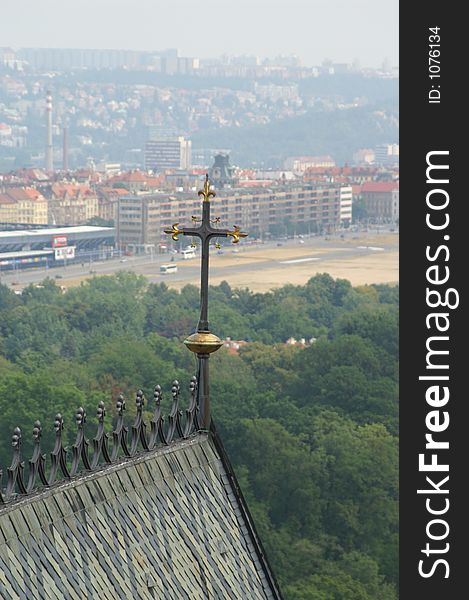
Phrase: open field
[262,270]
[382,268]
[370,258]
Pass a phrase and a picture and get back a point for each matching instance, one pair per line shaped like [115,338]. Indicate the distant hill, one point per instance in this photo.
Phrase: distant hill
[336,132]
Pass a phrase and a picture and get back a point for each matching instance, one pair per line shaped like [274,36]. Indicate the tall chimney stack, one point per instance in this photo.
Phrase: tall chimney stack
[49,149]
[65,149]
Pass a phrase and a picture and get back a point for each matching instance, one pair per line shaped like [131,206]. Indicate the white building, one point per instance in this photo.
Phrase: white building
[346,205]
[165,154]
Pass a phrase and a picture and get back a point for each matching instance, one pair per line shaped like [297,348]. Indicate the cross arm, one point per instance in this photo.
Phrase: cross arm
[206,232]
[176,231]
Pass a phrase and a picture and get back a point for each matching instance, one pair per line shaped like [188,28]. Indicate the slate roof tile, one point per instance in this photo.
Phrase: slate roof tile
[167,524]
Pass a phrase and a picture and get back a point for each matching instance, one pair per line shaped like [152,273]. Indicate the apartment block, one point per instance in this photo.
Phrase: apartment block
[381,200]
[23,205]
[168,154]
[72,204]
[301,208]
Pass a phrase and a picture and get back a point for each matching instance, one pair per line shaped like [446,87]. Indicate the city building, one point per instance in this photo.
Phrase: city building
[79,58]
[72,204]
[108,202]
[364,156]
[8,210]
[346,198]
[83,237]
[387,154]
[381,200]
[136,181]
[22,249]
[299,164]
[281,210]
[273,92]
[168,154]
[23,205]
[7,57]
[221,172]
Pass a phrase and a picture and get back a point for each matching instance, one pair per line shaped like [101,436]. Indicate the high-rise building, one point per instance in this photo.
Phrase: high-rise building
[168,154]
[387,154]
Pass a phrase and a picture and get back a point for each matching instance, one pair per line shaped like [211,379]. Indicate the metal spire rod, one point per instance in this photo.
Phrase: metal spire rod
[203,342]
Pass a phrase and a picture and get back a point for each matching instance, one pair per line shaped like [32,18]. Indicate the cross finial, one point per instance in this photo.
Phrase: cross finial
[203,342]
[206,193]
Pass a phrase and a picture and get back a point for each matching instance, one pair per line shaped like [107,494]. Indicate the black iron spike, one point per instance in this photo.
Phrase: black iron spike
[174,417]
[38,460]
[15,471]
[157,421]
[80,447]
[100,440]
[119,434]
[138,428]
[59,454]
[191,411]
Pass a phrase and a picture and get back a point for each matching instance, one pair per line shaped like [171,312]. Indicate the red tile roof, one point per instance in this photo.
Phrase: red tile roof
[380,186]
[22,194]
[5,199]
[59,190]
[114,191]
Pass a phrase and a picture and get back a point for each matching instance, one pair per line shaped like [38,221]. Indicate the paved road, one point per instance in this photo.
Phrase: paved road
[149,266]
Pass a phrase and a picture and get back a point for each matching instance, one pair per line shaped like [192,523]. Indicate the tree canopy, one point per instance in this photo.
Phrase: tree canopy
[311,431]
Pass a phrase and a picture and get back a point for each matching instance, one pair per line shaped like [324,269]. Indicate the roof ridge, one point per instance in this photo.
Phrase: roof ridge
[65,463]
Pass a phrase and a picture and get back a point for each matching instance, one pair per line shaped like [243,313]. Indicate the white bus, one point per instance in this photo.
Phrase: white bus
[168,269]
[188,253]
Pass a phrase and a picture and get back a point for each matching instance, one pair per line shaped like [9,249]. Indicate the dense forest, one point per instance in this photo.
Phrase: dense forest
[312,432]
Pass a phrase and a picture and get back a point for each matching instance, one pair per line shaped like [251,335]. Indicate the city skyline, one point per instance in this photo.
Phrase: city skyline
[365,31]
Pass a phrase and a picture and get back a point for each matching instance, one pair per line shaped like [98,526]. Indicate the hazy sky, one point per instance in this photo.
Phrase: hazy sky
[342,30]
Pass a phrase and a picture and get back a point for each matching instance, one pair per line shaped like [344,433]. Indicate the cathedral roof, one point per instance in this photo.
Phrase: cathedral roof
[166,521]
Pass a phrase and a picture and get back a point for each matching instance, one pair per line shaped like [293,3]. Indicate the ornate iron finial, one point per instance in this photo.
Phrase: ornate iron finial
[174,416]
[138,428]
[80,417]
[206,193]
[120,405]
[140,401]
[16,439]
[175,231]
[203,342]
[59,454]
[15,471]
[101,412]
[80,447]
[100,439]
[38,460]
[119,434]
[17,484]
[157,421]
[191,412]
[236,234]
